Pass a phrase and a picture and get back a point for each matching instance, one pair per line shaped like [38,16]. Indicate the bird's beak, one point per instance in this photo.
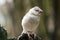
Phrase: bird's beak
[41,11]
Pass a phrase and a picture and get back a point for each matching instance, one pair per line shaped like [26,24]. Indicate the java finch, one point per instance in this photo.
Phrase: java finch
[30,22]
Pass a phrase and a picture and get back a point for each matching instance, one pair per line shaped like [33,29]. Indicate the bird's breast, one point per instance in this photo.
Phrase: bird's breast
[30,22]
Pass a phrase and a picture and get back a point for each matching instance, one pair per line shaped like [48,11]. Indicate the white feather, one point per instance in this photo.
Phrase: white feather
[31,20]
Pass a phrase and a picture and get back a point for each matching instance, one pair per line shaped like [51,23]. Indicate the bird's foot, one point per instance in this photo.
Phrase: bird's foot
[26,36]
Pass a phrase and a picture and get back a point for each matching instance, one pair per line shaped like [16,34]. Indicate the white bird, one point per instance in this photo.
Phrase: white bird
[31,20]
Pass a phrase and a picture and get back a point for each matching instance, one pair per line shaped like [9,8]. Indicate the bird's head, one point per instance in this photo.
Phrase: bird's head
[36,10]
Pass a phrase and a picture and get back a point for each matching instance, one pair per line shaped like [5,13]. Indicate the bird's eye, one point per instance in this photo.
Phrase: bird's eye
[37,10]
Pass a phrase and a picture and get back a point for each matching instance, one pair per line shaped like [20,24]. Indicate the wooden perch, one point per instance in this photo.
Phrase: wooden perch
[30,37]
[3,34]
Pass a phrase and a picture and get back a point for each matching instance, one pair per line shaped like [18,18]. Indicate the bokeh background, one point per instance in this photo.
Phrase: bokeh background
[12,12]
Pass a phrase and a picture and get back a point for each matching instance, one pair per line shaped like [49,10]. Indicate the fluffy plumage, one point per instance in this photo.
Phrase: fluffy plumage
[31,20]
[30,23]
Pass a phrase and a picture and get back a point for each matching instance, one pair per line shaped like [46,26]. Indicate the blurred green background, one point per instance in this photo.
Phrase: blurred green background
[12,12]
